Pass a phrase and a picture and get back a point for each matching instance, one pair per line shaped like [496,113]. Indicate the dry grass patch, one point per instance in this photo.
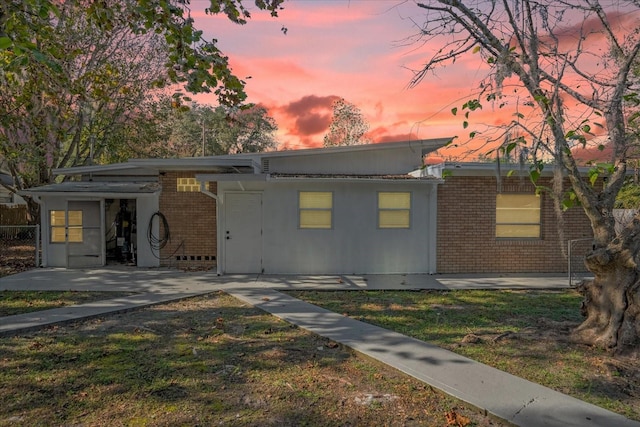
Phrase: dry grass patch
[209,360]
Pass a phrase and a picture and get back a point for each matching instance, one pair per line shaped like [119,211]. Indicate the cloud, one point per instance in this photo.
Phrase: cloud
[305,120]
[310,103]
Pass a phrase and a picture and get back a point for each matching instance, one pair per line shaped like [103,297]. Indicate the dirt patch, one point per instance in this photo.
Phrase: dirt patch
[16,257]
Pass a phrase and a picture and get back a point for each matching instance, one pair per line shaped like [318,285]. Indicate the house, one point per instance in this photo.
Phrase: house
[365,209]
[6,180]
[13,208]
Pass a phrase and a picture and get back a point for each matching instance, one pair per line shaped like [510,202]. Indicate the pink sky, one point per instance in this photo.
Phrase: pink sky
[356,50]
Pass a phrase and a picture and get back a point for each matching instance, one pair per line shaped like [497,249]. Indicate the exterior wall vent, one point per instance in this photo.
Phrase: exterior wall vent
[265,165]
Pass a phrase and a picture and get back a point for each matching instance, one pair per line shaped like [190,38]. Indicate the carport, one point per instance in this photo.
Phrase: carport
[90,224]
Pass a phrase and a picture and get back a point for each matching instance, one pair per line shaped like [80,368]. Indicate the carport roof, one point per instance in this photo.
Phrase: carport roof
[95,188]
[214,164]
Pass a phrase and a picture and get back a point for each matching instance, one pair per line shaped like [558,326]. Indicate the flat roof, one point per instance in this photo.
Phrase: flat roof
[95,188]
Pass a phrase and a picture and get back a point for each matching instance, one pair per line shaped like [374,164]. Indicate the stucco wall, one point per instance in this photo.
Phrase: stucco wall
[466,230]
[355,245]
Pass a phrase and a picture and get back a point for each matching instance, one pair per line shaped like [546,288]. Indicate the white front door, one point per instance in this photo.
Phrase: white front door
[243,233]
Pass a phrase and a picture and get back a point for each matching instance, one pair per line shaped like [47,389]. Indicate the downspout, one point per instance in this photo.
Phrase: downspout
[203,190]
[218,200]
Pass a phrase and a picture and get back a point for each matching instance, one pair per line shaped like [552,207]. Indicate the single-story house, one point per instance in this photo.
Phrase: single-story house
[364,209]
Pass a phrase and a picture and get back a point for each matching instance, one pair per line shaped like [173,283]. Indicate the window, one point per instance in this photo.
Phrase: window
[316,209]
[394,210]
[190,185]
[63,225]
[518,216]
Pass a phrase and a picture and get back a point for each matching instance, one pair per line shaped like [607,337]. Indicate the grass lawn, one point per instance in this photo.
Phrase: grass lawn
[207,361]
[522,332]
[18,302]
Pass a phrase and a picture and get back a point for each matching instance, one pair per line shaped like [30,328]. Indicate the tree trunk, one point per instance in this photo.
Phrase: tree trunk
[33,211]
[611,302]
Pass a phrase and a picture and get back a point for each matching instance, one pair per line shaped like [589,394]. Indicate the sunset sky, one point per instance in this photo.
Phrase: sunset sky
[363,51]
[358,50]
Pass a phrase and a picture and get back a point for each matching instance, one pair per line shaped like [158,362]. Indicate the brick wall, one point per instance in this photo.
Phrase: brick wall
[466,241]
[191,217]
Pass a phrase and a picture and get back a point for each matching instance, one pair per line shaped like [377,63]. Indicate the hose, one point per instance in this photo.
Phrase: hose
[156,242]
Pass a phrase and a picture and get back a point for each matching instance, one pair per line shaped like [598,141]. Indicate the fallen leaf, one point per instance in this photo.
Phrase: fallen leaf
[455,419]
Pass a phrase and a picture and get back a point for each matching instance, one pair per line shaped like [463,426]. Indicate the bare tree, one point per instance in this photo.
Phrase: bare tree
[568,70]
[348,126]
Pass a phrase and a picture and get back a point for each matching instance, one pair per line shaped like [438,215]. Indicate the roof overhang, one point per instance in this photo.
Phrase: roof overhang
[361,179]
[109,190]
[216,164]
[218,177]
[493,168]
[425,146]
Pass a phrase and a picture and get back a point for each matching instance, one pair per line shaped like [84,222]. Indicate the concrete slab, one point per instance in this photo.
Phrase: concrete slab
[109,279]
[404,282]
[22,323]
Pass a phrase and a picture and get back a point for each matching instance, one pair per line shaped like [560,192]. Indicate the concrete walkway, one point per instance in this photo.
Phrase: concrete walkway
[508,397]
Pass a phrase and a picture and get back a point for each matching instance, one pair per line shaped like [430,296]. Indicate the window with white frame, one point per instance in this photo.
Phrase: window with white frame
[518,216]
[315,209]
[394,209]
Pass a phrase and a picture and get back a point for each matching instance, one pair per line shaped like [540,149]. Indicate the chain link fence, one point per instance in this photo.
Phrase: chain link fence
[19,248]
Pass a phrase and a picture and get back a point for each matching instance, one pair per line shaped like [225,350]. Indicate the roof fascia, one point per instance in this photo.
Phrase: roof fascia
[420,181]
[218,177]
[192,163]
[490,169]
[78,170]
[195,163]
[431,144]
[86,194]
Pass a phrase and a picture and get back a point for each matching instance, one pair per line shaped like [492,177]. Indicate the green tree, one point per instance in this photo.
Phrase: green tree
[246,131]
[170,130]
[348,125]
[193,61]
[562,89]
[74,74]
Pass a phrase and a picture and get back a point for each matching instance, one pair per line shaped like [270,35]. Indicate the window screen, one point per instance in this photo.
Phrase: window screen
[518,216]
[316,209]
[394,210]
